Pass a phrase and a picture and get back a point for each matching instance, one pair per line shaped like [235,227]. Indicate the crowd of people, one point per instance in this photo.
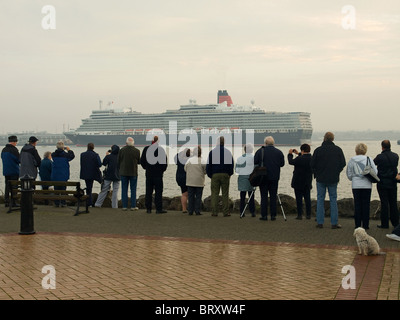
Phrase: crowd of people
[121,167]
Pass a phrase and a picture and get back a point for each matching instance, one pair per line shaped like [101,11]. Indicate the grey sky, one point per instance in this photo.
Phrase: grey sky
[153,55]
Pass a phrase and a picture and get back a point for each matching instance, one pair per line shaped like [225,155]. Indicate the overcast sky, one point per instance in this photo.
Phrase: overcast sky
[153,55]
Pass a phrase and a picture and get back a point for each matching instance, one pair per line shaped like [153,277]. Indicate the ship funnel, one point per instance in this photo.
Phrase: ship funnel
[224,96]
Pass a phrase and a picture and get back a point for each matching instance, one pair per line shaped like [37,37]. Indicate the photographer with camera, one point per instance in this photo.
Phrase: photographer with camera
[60,170]
[302,178]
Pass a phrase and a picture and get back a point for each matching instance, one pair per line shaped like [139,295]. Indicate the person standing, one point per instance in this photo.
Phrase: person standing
[45,170]
[10,160]
[128,160]
[244,167]
[387,162]
[60,170]
[30,159]
[273,159]
[360,185]
[90,170]
[327,163]
[220,169]
[195,168]
[111,176]
[180,160]
[302,179]
[154,162]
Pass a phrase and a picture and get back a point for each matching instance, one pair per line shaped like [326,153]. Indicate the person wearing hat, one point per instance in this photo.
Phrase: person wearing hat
[30,159]
[10,159]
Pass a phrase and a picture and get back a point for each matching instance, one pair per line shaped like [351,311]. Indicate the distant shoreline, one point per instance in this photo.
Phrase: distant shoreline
[366,135]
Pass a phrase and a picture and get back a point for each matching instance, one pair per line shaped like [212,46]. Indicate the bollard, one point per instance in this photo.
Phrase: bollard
[27,205]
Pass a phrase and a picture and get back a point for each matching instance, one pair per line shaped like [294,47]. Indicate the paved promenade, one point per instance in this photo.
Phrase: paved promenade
[112,254]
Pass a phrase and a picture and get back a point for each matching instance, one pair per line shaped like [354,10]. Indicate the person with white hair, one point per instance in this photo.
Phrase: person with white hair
[244,167]
[273,159]
[128,160]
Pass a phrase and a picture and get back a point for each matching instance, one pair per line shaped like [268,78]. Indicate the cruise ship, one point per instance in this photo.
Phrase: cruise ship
[194,124]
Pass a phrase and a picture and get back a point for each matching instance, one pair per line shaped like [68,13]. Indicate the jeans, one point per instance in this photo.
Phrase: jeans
[271,188]
[58,202]
[194,196]
[104,191]
[362,199]
[321,192]
[125,182]
[396,230]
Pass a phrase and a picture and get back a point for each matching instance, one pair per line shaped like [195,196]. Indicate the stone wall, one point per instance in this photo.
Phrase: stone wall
[345,206]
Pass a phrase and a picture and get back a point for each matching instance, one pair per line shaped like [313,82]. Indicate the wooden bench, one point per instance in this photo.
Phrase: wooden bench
[77,194]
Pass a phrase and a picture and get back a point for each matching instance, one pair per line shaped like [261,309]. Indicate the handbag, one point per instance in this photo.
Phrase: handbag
[370,173]
[259,175]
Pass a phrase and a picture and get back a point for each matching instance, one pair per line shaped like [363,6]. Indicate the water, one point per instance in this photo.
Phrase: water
[171,189]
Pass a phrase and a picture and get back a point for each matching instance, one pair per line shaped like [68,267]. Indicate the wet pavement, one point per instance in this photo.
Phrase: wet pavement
[110,254]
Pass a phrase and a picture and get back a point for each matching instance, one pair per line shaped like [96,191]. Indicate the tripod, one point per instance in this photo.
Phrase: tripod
[252,194]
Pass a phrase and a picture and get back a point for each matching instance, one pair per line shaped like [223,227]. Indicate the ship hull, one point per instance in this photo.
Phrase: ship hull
[295,138]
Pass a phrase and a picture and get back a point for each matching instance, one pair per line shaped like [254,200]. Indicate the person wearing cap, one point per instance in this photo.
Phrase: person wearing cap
[10,160]
[30,159]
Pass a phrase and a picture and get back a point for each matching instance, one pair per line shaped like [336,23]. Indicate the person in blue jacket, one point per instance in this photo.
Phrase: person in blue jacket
[90,170]
[10,159]
[60,170]
[45,170]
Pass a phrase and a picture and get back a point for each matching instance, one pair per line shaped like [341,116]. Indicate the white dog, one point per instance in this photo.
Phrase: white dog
[367,245]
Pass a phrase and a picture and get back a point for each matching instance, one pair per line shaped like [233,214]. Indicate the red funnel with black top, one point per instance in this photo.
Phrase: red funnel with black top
[224,96]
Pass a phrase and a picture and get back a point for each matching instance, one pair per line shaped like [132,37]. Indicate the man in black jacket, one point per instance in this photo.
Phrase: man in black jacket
[302,178]
[10,159]
[387,162]
[90,170]
[220,168]
[273,159]
[154,161]
[327,162]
